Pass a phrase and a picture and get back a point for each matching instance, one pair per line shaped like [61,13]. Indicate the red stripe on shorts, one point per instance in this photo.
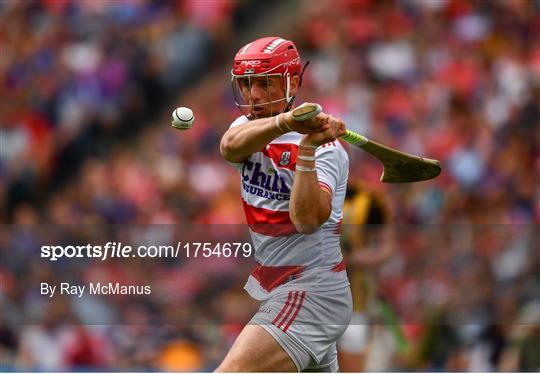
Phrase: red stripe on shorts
[285,306]
[295,312]
[289,311]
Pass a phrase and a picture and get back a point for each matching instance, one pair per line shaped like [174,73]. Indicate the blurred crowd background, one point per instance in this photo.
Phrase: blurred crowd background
[87,91]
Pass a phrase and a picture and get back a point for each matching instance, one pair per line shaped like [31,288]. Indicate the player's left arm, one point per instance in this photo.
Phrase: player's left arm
[366,258]
[311,202]
[384,235]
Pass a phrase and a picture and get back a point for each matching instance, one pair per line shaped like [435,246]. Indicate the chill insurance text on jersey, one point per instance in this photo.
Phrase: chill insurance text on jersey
[286,258]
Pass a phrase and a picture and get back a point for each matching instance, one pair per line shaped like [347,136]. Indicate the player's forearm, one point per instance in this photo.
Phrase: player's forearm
[363,257]
[310,206]
[367,258]
[241,141]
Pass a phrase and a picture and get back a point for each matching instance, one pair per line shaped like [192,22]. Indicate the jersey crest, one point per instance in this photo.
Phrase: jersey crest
[285,158]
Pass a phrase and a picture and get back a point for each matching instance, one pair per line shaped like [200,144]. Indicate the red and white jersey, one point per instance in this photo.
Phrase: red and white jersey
[288,260]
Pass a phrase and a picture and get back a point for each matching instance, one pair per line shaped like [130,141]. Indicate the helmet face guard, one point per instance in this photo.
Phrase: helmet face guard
[242,90]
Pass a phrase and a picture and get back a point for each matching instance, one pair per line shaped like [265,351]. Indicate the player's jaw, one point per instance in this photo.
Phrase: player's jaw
[264,107]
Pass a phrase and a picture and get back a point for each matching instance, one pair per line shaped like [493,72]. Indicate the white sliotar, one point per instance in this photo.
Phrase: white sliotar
[182,118]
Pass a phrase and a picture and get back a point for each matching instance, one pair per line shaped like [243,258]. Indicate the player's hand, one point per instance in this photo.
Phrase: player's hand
[319,123]
[334,128]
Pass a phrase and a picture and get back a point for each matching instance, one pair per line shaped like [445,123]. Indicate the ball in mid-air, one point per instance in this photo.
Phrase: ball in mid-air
[182,118]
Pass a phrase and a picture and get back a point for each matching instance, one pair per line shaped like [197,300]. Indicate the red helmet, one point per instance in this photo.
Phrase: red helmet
[267,57]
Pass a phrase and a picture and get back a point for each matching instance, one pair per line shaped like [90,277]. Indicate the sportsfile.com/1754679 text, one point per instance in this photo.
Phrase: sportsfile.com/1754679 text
[112,250]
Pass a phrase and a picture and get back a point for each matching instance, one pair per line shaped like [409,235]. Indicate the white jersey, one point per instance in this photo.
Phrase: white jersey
[288,260]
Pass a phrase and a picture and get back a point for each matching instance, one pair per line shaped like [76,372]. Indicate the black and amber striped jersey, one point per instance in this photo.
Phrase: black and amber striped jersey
[364,213]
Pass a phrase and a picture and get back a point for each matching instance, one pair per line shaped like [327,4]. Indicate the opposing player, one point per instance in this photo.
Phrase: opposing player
[368,242]
[294,180]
